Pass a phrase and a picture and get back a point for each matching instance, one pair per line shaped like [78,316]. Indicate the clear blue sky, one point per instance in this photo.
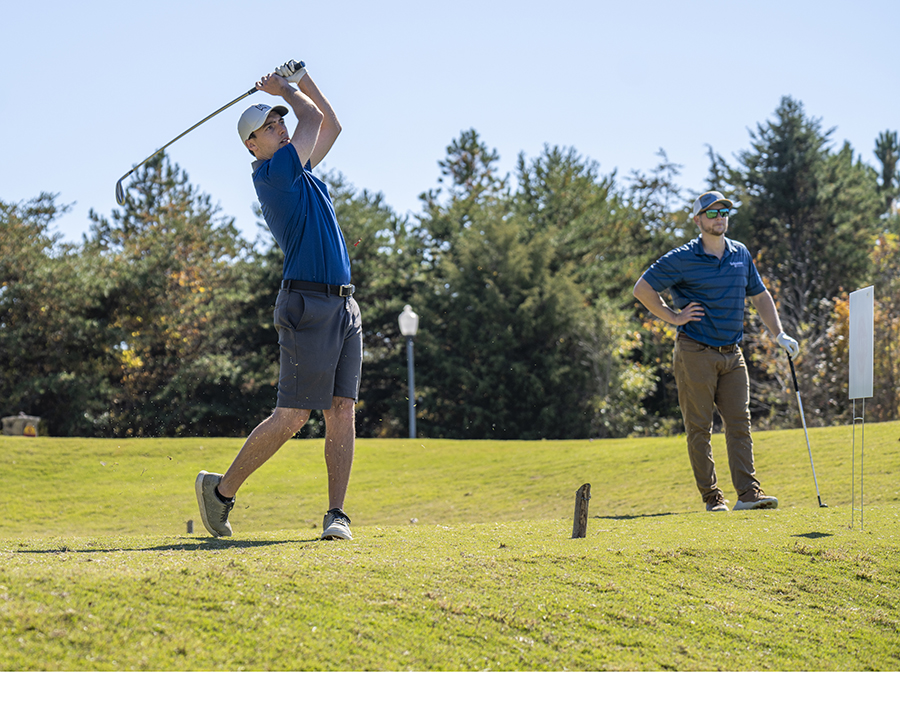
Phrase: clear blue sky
[92,88]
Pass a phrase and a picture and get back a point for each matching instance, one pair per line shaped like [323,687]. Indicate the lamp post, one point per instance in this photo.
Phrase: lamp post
[409,326]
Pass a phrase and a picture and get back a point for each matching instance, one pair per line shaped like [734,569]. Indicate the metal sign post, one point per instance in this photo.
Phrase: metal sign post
[862,367]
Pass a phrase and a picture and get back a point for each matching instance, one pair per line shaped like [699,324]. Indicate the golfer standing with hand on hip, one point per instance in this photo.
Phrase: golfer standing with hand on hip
[710,278]
[318,321]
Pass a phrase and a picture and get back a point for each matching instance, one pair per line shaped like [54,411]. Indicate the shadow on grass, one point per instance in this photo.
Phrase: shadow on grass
[812,535]
[626,517]
[202,544]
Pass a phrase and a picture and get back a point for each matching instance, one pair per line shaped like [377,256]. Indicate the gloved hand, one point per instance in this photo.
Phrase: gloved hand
[292,71]
[789,344]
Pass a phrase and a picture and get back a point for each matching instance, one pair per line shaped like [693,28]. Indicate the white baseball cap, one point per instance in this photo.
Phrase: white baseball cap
[255,117]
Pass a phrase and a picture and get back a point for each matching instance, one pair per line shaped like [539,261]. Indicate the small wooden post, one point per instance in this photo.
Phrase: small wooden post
[582,497]
[190,526]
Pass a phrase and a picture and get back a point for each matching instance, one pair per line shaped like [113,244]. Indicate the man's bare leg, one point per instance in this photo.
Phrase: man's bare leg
[268,437]
[340,443]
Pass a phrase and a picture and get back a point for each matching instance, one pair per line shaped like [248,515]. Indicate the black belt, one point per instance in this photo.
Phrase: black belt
[717,348]
[343,291]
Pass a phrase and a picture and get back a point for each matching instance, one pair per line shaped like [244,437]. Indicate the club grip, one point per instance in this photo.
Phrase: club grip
[793,374]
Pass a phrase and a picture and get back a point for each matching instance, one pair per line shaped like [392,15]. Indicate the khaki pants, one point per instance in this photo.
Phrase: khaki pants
[707,379]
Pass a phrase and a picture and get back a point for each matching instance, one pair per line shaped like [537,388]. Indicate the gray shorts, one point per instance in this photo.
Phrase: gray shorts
[321,348]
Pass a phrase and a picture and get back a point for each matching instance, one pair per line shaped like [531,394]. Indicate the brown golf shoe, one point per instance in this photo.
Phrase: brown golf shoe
[756,499]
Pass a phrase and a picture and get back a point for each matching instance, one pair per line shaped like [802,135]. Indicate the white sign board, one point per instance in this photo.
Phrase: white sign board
[862,342]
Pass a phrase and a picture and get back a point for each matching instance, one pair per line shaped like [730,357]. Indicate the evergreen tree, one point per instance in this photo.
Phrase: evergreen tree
[54,354]
[496,354]
[498,359]
[590,226]
[887,151]
[810,216]
[602,237]
[183,296]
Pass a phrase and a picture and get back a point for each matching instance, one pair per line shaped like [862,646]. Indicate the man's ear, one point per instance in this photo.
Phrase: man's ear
[697,221]
[251,145]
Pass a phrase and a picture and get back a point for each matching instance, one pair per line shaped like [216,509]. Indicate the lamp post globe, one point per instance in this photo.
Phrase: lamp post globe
[409,326]
[409,322]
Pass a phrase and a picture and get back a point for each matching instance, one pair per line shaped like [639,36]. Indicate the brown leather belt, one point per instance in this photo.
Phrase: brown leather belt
[717,348]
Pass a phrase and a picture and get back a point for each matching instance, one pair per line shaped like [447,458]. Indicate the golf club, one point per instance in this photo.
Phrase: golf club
[120,192]
[803,419]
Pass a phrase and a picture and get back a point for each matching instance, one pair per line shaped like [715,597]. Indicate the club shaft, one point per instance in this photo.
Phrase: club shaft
[808,448]
[188,131]
[805,431]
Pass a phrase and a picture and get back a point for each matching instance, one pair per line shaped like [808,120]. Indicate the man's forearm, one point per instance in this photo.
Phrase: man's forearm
[330,128]
[765,306]
[308,87]
[653,302]
[303,106]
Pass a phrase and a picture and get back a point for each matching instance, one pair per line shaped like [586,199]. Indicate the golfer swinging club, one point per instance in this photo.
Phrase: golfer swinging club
[317,318]
[709,278]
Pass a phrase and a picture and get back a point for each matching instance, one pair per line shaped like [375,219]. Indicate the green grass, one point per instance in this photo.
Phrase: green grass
[97,572]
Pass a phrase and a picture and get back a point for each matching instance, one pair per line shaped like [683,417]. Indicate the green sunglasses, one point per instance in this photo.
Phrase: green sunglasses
[724,213]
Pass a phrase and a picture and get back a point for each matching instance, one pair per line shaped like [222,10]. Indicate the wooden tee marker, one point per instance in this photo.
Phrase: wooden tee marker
[582,497]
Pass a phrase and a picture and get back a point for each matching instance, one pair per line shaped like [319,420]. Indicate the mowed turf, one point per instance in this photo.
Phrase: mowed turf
[84,487]
[97,572]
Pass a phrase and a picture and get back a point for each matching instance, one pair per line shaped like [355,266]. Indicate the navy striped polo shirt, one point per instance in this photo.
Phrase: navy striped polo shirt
[719,285]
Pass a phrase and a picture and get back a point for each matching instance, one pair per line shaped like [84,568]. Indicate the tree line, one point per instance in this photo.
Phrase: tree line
[159,323]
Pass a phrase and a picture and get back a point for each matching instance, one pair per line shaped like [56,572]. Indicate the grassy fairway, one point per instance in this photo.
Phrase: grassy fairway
[96,572]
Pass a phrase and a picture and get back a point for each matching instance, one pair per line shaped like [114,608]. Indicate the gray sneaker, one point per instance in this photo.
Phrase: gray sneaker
[336,525]
[213,510]
[717,503]
[756,499]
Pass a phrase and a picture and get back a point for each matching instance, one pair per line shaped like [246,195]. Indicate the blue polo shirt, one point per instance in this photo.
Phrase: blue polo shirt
[719,285]
[300,214]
